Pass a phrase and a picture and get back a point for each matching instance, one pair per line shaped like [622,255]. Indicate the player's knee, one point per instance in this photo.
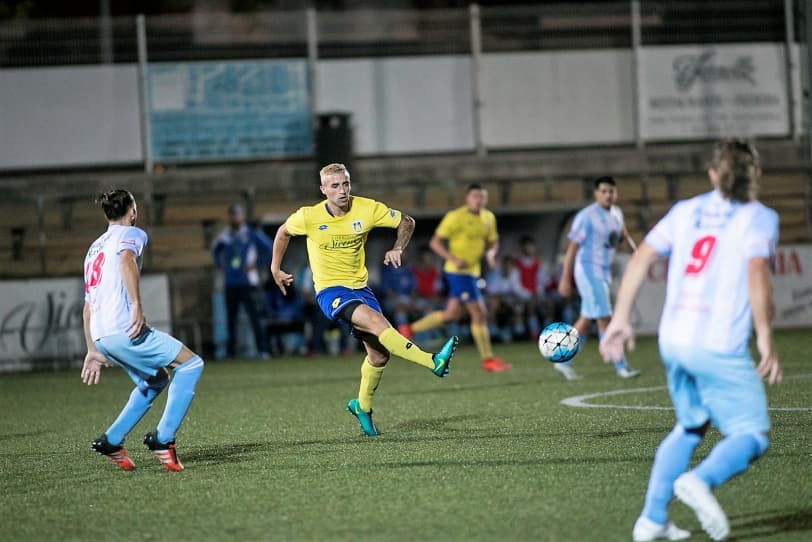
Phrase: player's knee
[762,441]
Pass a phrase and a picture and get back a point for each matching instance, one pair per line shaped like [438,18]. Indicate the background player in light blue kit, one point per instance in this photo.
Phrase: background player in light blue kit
[720,245]
[595,232]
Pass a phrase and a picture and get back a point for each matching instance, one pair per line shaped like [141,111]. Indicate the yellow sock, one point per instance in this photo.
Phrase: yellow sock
[430,321]
[370,378]
[404,348]
[482,340]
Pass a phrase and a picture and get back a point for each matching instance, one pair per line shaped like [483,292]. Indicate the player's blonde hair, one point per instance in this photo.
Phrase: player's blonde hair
[333,169]
[737,165]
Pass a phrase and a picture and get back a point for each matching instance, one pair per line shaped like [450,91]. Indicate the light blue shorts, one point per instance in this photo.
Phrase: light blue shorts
[463,287]
[143,356]
[724,389]
[595,302]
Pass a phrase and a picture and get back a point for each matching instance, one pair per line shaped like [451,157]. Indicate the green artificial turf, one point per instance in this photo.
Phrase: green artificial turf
[271,454]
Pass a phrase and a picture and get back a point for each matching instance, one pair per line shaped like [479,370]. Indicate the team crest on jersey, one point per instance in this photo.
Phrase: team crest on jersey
[323,227]
[357,227]
[336,302]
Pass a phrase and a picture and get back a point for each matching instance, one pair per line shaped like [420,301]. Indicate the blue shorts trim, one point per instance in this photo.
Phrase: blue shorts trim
[463,287]
[145,355]
[333,299]
[723,389]
[594,292]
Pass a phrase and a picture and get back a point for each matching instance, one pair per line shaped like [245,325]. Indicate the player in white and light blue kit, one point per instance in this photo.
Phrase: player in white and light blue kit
[116,332]
[720,245]
[595,233]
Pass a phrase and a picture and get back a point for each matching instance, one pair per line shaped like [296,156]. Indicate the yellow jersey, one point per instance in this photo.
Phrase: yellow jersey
[335,244]
[468,235]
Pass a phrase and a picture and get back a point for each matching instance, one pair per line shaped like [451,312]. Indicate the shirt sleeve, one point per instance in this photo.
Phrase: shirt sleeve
[385,217]
[296,223]
[762,236]
[134,239]
[493,234]
[446,227]
[661,236]
[580,228]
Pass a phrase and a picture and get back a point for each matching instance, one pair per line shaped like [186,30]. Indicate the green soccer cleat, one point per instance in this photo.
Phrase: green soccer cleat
[443,357]
[364,418]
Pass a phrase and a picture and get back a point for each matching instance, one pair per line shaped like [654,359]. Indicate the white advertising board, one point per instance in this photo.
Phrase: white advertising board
[703,92]
[41,319]
[792,291]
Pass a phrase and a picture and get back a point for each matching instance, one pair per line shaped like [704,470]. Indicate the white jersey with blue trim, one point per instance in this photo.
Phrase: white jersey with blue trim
[597,232]
[104,287]
[709,241]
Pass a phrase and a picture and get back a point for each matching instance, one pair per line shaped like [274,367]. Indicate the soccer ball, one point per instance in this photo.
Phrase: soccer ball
[559,342]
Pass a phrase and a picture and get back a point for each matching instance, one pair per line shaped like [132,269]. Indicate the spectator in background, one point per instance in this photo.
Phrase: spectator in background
[398,287]
[506,300]
[239,251]
[428,279]
[533,279]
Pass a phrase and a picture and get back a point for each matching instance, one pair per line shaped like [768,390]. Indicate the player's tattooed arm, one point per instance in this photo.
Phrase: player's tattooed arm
[404,235]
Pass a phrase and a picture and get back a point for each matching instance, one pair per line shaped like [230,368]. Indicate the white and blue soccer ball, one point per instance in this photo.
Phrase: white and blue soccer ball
[559,342]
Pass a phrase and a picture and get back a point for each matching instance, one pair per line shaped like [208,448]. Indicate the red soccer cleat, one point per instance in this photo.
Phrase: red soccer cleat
[165,453]
[116,454]
[495,365]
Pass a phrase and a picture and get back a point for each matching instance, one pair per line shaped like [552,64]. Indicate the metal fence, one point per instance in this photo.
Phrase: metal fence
[392,32]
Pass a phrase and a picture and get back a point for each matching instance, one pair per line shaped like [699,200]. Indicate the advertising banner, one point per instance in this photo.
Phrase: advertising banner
[703,92]
[41,319]
[792,290]
[221,110]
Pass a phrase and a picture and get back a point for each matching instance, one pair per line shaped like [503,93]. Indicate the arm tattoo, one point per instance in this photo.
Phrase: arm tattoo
[405,231]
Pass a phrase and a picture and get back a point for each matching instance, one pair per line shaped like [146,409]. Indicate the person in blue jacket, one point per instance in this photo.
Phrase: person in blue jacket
[240,251]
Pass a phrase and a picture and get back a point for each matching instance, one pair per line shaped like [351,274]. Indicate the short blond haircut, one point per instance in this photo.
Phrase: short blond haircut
[333,169]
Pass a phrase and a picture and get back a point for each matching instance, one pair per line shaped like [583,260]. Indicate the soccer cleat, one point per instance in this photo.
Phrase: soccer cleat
[116,454]
[697,495]
[443,357]
[164,452]
[406,331]
[495,365]
[627,372]
[566,371]
[364,418]
[646,530]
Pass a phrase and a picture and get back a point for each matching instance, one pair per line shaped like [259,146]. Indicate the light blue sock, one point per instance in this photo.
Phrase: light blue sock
[731,456]
[140,401]
[672,459]
[619,364]
[181,393]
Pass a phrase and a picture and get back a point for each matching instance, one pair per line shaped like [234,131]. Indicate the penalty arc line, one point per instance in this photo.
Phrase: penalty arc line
[580,401]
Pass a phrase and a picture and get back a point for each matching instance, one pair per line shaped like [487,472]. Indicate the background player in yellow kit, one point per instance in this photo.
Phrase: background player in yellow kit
[464,235]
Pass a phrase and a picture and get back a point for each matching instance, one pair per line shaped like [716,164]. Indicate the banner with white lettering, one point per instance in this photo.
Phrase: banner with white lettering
[707,91]
[41,319]
[792,290]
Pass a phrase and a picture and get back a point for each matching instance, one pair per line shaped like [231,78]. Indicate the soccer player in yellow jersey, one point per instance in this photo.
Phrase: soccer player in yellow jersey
[336,231]
[464,235]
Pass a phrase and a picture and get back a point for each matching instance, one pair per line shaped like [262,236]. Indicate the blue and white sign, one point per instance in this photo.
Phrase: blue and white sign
[222,110]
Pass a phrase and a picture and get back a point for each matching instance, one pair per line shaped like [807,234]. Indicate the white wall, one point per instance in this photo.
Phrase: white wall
[561,98]
[86,115]
[401,105]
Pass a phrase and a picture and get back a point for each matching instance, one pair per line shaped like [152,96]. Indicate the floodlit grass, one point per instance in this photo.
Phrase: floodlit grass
[271,454]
